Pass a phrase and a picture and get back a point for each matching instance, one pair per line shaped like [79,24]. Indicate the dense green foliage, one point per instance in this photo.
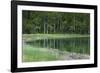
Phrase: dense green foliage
[55,22]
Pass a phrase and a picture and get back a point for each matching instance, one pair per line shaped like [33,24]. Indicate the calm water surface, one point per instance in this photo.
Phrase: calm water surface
[77,45]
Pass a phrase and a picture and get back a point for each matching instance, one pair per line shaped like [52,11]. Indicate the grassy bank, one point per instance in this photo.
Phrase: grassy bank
[30,37]
[37,54]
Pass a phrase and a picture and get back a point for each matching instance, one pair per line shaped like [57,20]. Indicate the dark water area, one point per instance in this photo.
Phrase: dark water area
[77,45]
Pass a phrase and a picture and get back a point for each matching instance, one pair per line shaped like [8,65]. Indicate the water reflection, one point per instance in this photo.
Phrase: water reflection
[78,45]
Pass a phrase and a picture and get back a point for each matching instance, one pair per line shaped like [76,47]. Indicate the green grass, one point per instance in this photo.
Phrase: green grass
[30,37]
[37,54]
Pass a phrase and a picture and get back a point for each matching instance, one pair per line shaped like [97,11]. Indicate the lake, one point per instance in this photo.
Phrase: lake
[78,45]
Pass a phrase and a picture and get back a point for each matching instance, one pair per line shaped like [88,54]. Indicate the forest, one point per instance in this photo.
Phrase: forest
[55,22]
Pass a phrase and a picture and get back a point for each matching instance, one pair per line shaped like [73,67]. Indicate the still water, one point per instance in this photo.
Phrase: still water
[77,45]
